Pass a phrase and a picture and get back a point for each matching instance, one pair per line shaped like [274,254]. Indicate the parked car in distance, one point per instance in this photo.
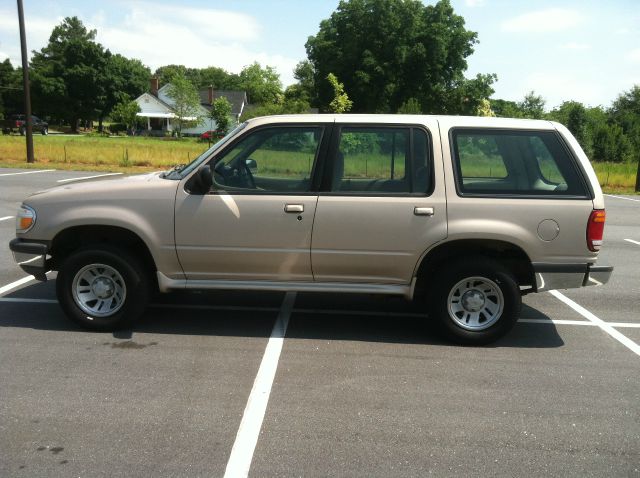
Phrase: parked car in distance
[18,124]
[212,134]
[465,214]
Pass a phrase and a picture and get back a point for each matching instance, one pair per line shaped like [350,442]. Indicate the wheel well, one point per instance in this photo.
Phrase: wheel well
[509,255]
[74,238]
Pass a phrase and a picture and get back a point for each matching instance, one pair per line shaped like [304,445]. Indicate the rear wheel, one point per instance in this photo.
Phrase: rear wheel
[45,131]
[102,288]
[475,301]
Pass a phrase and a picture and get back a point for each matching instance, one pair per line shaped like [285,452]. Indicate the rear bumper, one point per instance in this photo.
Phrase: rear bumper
[31,257]
[569,276]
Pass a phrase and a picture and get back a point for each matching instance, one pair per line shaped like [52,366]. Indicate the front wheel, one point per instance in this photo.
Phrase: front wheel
[475,301]
[45,131]
[102,288]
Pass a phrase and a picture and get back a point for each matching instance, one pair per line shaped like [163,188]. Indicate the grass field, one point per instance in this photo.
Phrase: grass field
[133,155]
[122,154]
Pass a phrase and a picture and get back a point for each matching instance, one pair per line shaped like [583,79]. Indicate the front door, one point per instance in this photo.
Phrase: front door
[255,223]
[383,204]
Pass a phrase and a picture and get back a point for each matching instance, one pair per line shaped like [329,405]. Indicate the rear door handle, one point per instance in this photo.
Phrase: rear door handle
[423,211]
[293,208]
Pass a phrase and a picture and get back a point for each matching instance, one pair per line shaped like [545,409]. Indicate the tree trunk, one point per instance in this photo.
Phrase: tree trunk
[74,124]
[638,177]
[100,125]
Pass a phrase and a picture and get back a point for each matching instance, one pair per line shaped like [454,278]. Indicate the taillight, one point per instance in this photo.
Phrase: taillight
[595,229]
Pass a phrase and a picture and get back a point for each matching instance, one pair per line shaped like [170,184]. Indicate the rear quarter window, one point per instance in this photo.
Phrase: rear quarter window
[514,163]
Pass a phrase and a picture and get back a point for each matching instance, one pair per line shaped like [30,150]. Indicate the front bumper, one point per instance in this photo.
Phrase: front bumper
[569,276]
[31,256]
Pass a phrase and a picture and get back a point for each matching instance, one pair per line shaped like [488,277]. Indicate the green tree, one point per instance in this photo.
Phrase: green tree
[340,102]
[625,112]
[124,79]
[410,107]
[574,116]
[261,84]
[505,108]
[11,98]
[611,144]
[186,101]
[221,114]
[68,74]
[126,113]
[387,51]
[485,109]
[532,106]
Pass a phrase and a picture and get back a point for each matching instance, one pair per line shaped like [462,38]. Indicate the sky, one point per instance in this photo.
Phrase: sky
[588,51]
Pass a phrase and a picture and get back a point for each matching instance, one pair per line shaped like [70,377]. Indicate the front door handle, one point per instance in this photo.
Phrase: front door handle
[423,211]
[294,208]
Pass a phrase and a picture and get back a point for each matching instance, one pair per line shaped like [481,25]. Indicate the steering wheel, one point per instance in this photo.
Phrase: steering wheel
[247,175]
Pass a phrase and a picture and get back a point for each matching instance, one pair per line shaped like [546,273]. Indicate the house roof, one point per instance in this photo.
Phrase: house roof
[237,98]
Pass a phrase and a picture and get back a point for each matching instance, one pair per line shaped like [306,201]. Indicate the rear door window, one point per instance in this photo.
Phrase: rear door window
[508,162]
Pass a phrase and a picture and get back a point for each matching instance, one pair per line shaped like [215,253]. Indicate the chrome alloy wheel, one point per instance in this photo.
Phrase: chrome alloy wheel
[99,290]
[475,303]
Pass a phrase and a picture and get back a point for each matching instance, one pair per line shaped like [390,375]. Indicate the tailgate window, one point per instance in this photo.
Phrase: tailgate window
[514,163]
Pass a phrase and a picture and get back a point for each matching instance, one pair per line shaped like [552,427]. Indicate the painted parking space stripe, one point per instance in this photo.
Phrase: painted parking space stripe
[28,172]
[632,241]
[621,197]
[5,218]
[15,284]
[249,430]
[624,340]
[87,177]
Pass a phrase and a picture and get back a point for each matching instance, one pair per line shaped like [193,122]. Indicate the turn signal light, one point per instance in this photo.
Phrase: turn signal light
[595,229]
[25,219]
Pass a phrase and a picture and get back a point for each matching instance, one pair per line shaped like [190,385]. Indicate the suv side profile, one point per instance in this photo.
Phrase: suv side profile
[465,213]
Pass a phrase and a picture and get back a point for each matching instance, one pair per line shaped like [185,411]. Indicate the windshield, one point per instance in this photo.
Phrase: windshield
[181,171]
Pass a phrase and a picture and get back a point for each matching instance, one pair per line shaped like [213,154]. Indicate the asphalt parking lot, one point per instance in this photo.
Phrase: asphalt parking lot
[319,385]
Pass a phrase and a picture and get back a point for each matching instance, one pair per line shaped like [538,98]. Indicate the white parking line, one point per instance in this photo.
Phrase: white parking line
[87,177]
[628,240]
[620,197]
[627,342]
[15,284]
[5,218]
[247,436]
[28,172]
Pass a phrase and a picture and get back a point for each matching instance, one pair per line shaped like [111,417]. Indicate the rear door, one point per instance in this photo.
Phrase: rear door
[382,203]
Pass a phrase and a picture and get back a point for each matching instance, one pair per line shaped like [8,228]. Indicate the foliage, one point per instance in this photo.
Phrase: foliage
[387,51]
[126,112]
[262,85]
[484,109]
[186,102]
[532,106]
[284,108]
[74,78]
[11,99]
[221,114]
[410,107]
[340,102]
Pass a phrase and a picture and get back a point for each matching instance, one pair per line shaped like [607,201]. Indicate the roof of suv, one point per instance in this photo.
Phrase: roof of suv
[443,120]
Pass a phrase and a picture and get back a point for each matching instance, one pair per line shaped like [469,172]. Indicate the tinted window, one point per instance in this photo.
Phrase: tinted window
[373,160]
[514,162]
[273,159]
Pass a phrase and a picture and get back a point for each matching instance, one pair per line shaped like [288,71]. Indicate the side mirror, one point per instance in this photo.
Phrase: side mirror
[252,165]
[204,178]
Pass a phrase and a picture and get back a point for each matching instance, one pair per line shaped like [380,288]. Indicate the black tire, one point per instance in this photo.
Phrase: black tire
[45,131]
[130,277]
[487,282]
[23,131]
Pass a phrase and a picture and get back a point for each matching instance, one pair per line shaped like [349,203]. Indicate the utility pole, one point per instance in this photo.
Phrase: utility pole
[638,177]
[25,80]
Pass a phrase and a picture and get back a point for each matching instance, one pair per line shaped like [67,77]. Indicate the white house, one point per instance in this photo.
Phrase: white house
[157,108]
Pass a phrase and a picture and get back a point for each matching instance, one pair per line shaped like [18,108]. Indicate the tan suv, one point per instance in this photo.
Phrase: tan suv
[466,213]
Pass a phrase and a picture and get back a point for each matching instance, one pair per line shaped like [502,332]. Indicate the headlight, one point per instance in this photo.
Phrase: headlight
[25,219]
